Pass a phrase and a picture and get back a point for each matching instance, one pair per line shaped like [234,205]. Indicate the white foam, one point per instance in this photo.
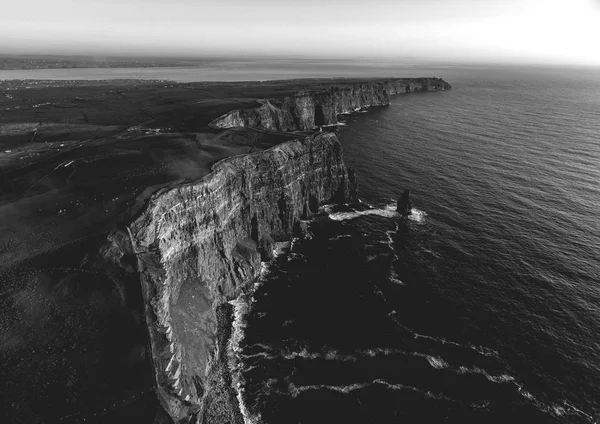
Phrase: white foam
[479,349]
[258,355]
[280,248]
[436,362]
[427,394]
[481,404]
[397,281]
[502,378]
[417,215]
[552,409]
[526,394]
[394,277]
[327,208]
[485,351]
[330,355]
[571,407]
[294,243]
[343,216]
[304,354]
[388,211]
[241,308]
[431,252]
[296,390]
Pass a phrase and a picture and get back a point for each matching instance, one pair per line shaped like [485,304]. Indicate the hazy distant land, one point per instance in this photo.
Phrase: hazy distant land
[194,69]
[23,62]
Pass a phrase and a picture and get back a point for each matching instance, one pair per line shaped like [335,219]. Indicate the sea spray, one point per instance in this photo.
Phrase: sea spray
[241,307]
[389,211]
[417,215]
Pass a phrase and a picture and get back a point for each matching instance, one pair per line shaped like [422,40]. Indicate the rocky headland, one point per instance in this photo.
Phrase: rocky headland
[307,110]
[170,188]
[199,244]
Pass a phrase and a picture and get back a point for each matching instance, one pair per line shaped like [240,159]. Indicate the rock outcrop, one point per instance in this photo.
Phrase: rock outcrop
[199,243]
[307,110]
[404,205]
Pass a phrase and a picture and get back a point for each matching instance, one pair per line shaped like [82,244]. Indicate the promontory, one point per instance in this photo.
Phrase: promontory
[133,212]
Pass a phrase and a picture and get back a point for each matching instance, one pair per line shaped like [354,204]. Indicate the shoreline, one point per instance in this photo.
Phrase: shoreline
[103,174]
[216,392]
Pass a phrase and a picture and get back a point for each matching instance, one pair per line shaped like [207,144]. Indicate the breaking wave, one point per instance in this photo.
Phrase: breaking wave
[417,215]
[387,212]
[241,309]
[435,362]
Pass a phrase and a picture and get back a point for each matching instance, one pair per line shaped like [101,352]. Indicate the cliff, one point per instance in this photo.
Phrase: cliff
[197,244]
[306,110]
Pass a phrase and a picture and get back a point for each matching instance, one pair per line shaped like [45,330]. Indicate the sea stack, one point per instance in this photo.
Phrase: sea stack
[404,205]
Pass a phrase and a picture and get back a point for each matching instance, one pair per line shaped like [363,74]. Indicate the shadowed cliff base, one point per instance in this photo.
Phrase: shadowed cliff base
[79,161]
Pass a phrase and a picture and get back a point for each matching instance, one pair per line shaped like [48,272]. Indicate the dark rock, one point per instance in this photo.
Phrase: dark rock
[404,205]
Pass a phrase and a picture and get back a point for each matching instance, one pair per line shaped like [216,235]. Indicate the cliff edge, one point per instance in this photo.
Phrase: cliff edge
[307,110]
[197,244]
[96,197]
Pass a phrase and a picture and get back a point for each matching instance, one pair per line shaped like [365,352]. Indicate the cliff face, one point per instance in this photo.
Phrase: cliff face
[197,243]
[309,109]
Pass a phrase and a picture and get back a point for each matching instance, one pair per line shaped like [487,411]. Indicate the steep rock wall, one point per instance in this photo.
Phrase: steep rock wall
[197,244]
[309,109]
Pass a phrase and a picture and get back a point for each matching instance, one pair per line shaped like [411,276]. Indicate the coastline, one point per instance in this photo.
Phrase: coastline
[217,393]
[91,194]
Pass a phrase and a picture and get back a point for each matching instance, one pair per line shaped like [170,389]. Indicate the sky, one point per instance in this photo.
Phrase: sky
[532,31]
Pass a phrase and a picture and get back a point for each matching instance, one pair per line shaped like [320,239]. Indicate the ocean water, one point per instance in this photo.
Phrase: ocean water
[487,308]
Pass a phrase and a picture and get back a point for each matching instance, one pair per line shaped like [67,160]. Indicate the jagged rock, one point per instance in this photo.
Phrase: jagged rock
[404,205]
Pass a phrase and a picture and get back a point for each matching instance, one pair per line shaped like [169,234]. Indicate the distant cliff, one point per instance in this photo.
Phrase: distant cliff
[198,243]
[307,110]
